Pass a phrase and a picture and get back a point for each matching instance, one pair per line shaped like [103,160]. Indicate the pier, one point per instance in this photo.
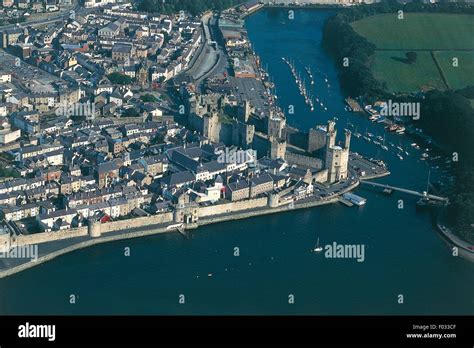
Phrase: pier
[345,202]
[411,192]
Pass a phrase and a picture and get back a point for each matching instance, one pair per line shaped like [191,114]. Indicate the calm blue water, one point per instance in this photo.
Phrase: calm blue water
[403,253]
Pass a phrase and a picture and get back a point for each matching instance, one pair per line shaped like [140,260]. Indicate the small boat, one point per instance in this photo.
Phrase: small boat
[423,202]
[384,147]
[393,128]
[317,248]
[400,157]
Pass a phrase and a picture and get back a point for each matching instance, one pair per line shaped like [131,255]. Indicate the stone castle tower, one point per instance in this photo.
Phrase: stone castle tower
[277,148]
[275,125]
[337,157]
[211,127]
[316,139]
[244,111]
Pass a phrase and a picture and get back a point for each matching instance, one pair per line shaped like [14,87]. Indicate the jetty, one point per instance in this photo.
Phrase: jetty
[411,192]
[346,202]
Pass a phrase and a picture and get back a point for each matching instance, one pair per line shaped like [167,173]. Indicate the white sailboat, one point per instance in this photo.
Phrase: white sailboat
[317,248]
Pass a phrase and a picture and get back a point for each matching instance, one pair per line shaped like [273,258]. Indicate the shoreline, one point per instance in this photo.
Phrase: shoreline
[162,228]
[295,7]
[451,239]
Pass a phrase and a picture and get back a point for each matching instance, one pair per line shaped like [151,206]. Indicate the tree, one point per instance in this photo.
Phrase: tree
[7,172]
[132,112]
[411,57]
[119,79]
[148,98]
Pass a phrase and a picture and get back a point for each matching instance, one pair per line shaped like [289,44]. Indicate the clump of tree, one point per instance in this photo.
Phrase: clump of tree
[8,173]
[411,57]
[444,115]
[119,79]
[194,7]
[353,55]
[148,98]
[131,112]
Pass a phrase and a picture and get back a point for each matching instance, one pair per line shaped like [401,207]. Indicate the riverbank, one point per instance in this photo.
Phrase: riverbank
[431,130]
[464,249]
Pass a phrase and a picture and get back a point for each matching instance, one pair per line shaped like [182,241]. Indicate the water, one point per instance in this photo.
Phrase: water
[403,254]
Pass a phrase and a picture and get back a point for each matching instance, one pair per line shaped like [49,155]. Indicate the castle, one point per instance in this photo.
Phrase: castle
[208,115]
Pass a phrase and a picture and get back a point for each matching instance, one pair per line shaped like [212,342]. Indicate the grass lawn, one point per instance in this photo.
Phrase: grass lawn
[418,31]
[403,77]
[461,76]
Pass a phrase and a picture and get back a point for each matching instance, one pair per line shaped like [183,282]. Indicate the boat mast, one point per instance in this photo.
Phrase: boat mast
[428,183]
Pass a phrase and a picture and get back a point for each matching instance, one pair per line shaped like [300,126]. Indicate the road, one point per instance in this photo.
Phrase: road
[61,16]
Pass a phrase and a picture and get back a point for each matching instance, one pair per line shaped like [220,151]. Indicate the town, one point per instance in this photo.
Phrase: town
[113,120]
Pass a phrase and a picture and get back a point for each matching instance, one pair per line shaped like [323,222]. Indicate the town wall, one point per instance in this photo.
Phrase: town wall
[136,222]
[38,238]
[233,207]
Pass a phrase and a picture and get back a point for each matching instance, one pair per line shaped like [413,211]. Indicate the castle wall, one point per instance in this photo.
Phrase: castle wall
[232,207]
[303,161]
[38,238]
[316,139]
[137,222]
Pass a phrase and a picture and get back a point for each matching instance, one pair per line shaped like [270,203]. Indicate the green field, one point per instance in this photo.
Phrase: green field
[446,35]
[431,31]
[400,76]
[460,76]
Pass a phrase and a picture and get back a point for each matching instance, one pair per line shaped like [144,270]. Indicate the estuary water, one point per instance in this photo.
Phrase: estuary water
[255,266]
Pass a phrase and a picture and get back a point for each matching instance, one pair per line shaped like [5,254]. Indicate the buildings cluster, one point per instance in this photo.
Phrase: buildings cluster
[237,44]
[91,136]
[90,46]
[102,171]
[14,11]
[91,66]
